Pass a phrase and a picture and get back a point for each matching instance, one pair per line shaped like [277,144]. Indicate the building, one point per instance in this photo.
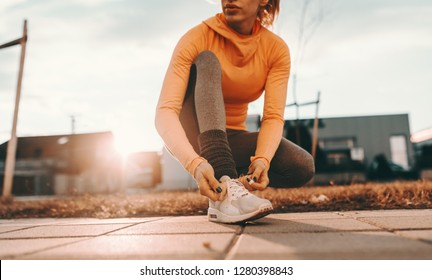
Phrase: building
[64,164]
[355,148]
[422,141]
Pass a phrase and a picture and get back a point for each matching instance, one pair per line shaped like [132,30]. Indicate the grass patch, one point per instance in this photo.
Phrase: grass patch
[395,195]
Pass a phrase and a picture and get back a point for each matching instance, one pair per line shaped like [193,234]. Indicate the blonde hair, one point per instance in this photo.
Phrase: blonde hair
[267,14]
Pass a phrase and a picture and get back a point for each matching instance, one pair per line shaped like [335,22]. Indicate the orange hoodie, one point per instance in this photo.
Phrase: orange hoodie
[251,64]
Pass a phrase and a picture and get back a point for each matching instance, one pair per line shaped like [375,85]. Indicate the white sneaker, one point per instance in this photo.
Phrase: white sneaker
[239,205]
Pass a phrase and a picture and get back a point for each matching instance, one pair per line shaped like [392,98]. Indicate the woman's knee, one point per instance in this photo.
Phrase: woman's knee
[295,165]
[207,61]
[306,169]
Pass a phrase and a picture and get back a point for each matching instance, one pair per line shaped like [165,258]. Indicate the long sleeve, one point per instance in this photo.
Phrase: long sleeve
[274,104]
[171,99]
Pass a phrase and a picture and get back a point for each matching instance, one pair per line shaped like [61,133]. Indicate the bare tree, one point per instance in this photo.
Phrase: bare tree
[311,14]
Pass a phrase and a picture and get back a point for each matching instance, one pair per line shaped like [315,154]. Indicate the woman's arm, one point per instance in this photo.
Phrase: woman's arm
[272,124]
[168,111]
[171,100]
[274,105]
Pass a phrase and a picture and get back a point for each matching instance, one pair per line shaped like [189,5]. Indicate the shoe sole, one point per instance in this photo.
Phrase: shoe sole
[216,216]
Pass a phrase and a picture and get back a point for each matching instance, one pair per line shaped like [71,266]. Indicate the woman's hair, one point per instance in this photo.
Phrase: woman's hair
[267,14]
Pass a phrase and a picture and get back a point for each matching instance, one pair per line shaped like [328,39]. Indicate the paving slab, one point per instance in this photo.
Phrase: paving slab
[15,248]
[307,215]
[180,246]
[51,231]
[29,222]
[93,221]
[388,213]
[425,235]
[178,226]
[329,245]
[274,225]
[194,219]
[403,222]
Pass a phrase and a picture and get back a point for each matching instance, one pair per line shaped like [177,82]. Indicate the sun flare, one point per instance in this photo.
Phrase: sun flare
[129,140]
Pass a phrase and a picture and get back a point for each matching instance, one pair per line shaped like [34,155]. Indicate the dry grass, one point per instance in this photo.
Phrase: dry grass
[396,195]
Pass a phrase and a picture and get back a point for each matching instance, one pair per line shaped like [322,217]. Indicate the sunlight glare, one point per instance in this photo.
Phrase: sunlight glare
[125,143]
[128,140]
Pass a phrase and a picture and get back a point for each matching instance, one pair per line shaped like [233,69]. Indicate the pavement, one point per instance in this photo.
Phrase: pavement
[384,234]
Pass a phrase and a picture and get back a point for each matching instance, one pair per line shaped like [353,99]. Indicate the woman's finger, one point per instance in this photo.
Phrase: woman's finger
[217,187]
[206,190]
[245,181]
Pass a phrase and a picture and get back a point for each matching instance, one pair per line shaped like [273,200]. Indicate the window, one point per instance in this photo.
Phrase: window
[398,148]
[337,143]
[338,158]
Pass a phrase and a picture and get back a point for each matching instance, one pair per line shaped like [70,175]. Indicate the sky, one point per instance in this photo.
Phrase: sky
[102,62]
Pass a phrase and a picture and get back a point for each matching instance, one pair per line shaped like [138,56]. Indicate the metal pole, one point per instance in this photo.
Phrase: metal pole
[297,121]
[315,128]
[12,145]
[295,95]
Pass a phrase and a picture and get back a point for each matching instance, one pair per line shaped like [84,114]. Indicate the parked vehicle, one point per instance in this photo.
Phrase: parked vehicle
[382,169]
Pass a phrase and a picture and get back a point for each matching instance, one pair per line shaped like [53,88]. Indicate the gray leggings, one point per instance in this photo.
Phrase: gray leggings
[291,166]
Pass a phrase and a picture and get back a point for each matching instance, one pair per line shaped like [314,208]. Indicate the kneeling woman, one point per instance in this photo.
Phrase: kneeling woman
[217,69]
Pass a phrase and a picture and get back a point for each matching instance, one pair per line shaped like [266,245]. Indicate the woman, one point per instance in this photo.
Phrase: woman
[217,69]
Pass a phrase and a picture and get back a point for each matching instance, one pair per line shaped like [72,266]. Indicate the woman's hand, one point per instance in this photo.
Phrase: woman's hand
[207,184]
[258,172]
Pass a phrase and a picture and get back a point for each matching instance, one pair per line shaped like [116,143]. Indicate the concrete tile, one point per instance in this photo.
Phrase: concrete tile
[270,225]
[16,248]
[403,222]
[307,215]
[425,235]
[182,246]
[93,221]
[192,219]
[176,226]
[389,213]
[29,222]
[329,245]
[50,231]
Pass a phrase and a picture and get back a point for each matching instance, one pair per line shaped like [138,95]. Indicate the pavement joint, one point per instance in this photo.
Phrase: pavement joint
[16,230]
[168,233]
[48,237]
[20,256]
[366,221]
[109,232]
[400,232]
[231,248]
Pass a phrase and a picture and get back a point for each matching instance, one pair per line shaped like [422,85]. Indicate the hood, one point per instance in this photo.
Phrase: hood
[244,46]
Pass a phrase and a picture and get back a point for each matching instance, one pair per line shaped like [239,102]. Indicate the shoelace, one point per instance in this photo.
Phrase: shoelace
[236,189]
